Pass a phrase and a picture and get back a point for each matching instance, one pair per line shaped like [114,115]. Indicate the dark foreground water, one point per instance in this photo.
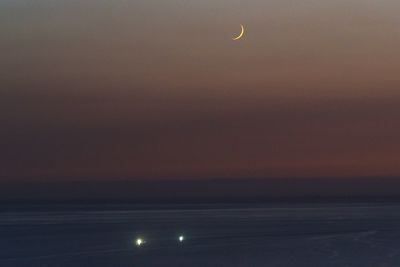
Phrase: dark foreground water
[215,235]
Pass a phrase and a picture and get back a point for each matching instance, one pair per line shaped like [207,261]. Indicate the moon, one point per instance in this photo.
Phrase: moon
[240,35]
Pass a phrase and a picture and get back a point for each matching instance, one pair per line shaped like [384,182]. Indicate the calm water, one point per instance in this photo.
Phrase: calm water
[215,235]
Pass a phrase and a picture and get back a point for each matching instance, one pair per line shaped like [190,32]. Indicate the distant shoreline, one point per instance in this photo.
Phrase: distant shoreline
[152,204]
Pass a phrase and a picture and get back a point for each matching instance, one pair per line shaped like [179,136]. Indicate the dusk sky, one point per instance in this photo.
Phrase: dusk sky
[151,89]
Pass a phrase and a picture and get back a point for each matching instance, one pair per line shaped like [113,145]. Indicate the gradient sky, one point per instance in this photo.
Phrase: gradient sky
[142,89]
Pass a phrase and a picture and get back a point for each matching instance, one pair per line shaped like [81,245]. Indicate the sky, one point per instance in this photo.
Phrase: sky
[147,89]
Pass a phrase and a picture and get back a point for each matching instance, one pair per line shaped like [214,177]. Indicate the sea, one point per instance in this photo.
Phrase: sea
[250,234]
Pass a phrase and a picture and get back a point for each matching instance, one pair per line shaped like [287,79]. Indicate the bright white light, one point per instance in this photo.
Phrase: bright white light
[139,242]
[181,238]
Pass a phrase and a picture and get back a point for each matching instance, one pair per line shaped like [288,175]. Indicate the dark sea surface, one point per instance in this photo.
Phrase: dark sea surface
[335,234]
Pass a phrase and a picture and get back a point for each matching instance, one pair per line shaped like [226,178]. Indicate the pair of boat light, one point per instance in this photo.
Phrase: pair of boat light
[140,241]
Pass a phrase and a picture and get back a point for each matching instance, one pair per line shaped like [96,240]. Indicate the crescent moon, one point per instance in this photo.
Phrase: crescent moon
[240,35]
